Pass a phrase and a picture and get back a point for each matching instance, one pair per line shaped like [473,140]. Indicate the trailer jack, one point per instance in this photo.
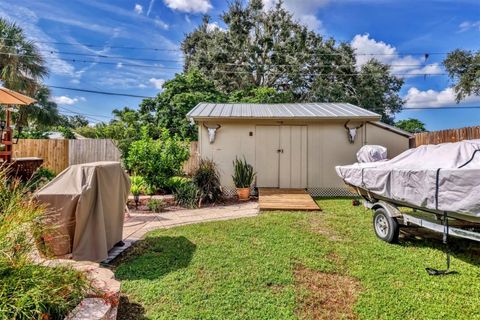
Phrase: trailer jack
[447,271]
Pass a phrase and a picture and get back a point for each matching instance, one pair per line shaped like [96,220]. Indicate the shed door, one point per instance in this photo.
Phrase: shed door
[293,157]
[281,156]
[267,143]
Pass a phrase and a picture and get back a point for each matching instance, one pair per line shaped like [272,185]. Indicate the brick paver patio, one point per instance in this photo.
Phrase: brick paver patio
[137,224]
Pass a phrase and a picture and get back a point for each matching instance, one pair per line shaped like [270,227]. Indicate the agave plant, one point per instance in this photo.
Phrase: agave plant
[243,174]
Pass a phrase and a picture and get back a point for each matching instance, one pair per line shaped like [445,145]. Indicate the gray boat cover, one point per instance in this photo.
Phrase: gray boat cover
[414,175]
[371,153]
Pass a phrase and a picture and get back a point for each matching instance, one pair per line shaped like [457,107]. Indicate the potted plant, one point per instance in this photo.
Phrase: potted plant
[243,176]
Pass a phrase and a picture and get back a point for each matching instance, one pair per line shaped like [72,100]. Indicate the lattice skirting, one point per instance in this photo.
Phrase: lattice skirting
[314,192]
[331,192]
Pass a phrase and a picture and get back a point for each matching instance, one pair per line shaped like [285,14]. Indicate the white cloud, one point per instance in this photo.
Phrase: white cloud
[416,98]
[385,53]
[66,100]
[191,6]
[214,26]
[467,25]
[157,83]
[138,8]
[304,11]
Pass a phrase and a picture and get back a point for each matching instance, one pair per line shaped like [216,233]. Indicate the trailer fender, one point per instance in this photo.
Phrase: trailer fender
[391,209]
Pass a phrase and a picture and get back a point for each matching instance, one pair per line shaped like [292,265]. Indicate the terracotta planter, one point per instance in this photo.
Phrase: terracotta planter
[243,193]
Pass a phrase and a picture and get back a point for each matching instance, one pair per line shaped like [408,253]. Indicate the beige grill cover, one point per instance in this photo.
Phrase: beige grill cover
[88,201]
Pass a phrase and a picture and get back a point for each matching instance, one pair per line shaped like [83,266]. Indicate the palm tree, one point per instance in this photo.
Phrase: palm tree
[21,65]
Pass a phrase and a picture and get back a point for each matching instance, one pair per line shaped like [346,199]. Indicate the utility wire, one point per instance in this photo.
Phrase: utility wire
[104,56]
[78,113]
[101,92]
[177,61]
[86,114]
[179,49]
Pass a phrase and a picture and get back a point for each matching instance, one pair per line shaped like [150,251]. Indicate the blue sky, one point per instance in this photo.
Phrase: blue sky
[400,31]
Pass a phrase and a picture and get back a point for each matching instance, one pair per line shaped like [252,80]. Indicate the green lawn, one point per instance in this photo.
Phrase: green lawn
[284,265]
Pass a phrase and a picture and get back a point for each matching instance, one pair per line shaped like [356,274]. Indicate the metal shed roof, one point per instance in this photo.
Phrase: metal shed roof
[280,111]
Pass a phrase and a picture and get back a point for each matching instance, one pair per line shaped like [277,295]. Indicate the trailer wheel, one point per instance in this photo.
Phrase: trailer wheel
[386,227]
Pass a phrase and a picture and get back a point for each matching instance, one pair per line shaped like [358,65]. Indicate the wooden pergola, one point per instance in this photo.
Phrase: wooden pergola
[10,99]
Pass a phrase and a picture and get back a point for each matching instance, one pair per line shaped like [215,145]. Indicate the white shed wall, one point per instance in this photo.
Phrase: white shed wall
[327,147]
[395,143]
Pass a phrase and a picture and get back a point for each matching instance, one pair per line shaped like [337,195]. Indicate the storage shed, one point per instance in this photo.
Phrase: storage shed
[293,145]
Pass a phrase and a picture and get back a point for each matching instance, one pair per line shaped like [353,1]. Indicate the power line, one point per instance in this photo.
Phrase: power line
[436,108]
[208,63]
[101,92]
[110,57]
[178,61]
[86,114]
[78,113]
[179,49]
[99,46]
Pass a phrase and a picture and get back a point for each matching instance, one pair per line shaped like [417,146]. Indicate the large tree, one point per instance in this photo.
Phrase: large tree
[463,67]
[411,125]
[169,108]
[21,64]
[268,48]
[41,116]
[22,68]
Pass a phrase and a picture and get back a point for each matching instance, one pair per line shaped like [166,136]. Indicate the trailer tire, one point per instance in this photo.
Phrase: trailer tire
[386,227]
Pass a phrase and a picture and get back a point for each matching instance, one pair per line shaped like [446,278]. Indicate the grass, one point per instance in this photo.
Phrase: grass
[286,265]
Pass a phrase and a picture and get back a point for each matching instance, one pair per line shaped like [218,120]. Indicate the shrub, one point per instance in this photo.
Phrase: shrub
[243,174]
[17,215]
[157,160]
[137,185]
[67,133]
[174,182]
[186,195]
[40,178]
[29,291]
[156,205]
[207,180]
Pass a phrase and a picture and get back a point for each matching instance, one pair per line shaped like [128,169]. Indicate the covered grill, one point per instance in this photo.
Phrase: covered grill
[86,205]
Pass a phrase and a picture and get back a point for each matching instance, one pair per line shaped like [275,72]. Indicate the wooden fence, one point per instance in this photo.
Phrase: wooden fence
[91,150]
[58,154]
[53,152]
[191,164]
[450,135]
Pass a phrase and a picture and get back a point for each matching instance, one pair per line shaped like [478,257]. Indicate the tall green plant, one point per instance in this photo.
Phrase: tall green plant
[157,160]
[186,195]
[243,173]
[17,214]
[137,185]
[207,180]
[27,290]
